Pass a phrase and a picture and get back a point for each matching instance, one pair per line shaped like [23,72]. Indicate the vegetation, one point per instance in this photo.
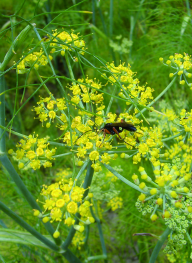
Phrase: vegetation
[95,131]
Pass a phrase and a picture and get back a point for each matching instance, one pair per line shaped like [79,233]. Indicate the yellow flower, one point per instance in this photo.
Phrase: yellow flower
[159,201]
[94,156]
[63,118]
[153,191]
[47,164]
[50,105]
[56,193]
[96,167]
[69,221]
[75,99]
[39,151]
[86,98]
[79,228]
[143,148]
[105,158]
[66,198]
[142,185]
[154,217]
[61,104]
[43,116]
[49,204]
[72,208]
[81,152]
[36,212]
[56,214]
[60,203]
[21,165]
[142,197]
[10,151]
[35,164]
[89,145]
[45,219]
[77,194]
[52,114]
[20,154]
[167,214]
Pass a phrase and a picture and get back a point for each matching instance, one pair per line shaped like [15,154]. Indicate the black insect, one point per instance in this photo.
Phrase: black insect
[45,38]
[117,127]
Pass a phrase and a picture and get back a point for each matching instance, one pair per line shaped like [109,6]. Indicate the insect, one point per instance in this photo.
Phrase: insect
[45,38]
[117,127]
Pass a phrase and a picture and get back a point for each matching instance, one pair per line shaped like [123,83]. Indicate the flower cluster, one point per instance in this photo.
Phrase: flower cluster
[78,239]
[65,202]
[123,46]
[33,153]
[86,91]
[115,203]
[35,59]
[50,109]
[59,42]
[179,256]
[62,41]
[167,195]
[182,65]
[90,142]
[130,91]
[63,174]
[105,189]
[83,132]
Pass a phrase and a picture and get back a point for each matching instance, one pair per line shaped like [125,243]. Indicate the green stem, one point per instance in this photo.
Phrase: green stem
[30,229]
[61,89]
[15,45]
[100,235]
[72,75]
[159,96]
[123,179]
[111,19]
[159,245]
[13,132]
[61,155]
[2,114]
[23,105]
[21,186]
[88,179]
[71,257]
[172,137]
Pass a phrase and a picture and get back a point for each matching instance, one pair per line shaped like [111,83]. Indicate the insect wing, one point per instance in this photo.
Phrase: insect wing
[123,125]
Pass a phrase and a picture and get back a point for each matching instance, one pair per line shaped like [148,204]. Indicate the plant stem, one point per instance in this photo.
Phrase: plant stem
[123,179]
[159,245]
[100,235]
[21,186]
[30,229]
[159,96]
[2,114]
[15,45]
[71,257]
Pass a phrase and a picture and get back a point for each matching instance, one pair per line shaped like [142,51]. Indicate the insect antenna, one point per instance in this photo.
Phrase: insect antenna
[82,135]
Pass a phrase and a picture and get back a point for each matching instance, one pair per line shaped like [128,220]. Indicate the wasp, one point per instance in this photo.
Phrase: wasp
[117,127]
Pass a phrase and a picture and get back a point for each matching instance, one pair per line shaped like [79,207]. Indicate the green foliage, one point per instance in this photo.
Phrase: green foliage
[134,32]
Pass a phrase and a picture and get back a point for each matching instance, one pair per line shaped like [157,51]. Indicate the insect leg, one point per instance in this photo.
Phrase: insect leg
[120,136]
[117,132]
[81,136]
